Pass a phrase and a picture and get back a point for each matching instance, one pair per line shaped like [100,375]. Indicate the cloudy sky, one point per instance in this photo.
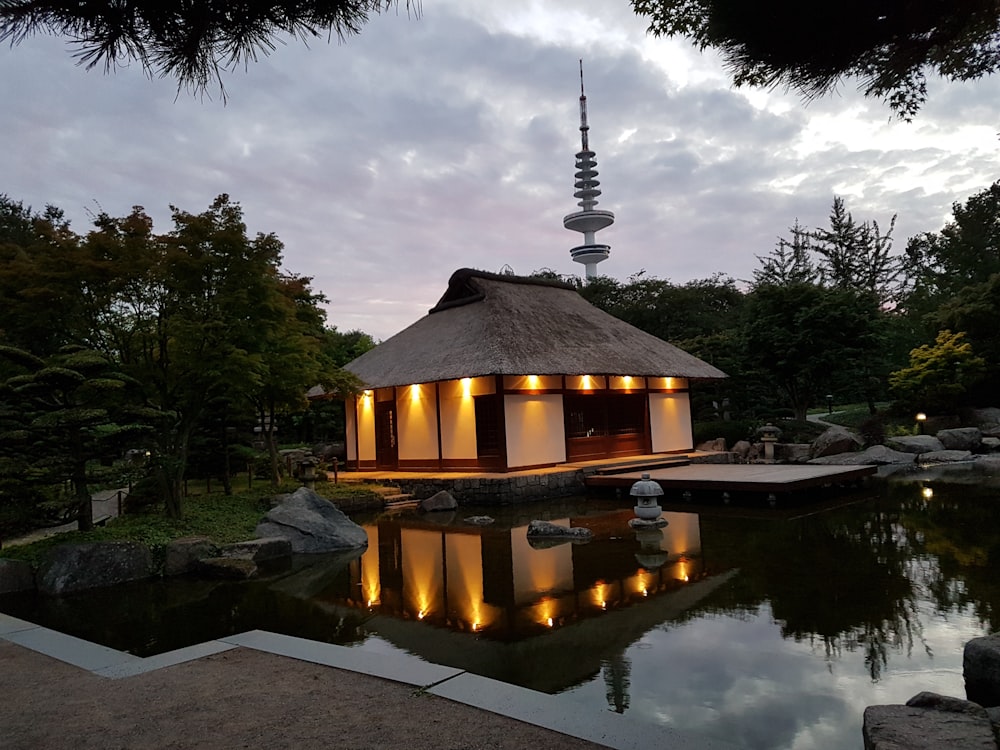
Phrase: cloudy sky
[432,143]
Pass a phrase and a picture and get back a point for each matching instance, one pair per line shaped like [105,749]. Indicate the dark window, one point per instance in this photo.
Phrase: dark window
[488,425]
[585,416]
[626,414]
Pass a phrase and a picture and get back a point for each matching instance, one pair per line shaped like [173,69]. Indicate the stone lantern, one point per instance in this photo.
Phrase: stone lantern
[647,508]
[769,436]
[308,469]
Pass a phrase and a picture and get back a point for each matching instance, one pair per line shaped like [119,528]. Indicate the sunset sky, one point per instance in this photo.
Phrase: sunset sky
[430,143]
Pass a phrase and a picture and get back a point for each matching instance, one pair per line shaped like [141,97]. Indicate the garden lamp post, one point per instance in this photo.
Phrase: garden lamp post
[921,418]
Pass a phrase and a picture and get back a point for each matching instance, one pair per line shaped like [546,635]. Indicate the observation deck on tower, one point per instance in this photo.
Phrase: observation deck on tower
[589,220]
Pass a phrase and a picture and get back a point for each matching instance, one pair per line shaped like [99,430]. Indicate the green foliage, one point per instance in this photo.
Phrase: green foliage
[806,339]
[964,253]
[731,430]
[938,376]
[225,519]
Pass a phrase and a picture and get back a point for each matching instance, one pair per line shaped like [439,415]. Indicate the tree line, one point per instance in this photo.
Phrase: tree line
[168,344]
[835,310]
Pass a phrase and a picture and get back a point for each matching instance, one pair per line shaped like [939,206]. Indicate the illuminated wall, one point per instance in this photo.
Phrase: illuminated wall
[458,415]
[666,383]
[536,434]
[416,410]
[532,382]
[365,427]
[351,429]
[670,422]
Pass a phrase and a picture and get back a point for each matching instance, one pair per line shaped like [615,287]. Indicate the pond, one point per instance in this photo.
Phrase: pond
[773,629]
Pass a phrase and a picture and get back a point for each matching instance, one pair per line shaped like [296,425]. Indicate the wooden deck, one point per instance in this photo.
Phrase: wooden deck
[770,478]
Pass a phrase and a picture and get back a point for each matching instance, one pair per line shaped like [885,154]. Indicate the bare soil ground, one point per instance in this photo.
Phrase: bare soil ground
[240,699]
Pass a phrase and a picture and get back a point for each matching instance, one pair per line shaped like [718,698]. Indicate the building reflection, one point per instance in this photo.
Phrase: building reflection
[495,583]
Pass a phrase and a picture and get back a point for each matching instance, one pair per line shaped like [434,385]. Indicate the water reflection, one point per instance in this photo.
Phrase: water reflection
[493,582]
[775,628]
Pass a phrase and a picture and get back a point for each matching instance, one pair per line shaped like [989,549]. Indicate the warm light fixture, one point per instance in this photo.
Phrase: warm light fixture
[366,394]
[549,622]
[420,615]
[921,417]
[466,387]
[415,392]
[927,492]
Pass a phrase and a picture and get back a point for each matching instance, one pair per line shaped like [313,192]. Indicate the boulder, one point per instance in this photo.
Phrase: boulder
[945,457]
[16,575]
[258,550]
[835,440]
[877,455]
[742,450]
[793,453]
[228,568]
[961,439]
[90,565]
[544,529]
[928,721]
[311,523]
[981,667]
[717,445]
[990,443]
[442,500]
[182,555]
[914,443]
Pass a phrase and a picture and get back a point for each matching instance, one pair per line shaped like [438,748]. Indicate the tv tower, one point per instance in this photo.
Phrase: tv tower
[589,220]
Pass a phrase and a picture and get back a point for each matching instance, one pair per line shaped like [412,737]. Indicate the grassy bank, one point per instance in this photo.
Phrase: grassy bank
[223,519]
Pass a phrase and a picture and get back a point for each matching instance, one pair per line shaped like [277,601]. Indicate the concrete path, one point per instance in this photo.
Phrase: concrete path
[105,503]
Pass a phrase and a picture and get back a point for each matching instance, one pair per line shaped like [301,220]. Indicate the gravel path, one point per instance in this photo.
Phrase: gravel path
[240,699]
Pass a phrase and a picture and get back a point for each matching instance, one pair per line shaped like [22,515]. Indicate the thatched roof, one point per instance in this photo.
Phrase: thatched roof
[488,324]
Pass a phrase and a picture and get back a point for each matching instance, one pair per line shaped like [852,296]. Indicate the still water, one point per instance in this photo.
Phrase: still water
[770,629]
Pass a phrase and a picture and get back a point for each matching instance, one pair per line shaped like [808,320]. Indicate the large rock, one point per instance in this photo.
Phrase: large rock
[228,568]
[442,500]
[981,667]
[182,555]
[877,455]
[961,439]
[741,449]
[835,440]
[16,575]
[793,453]
[258,550]
[915,443]
[945,457]
[90,565]
[928,722]
[312,523]
[717,445]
